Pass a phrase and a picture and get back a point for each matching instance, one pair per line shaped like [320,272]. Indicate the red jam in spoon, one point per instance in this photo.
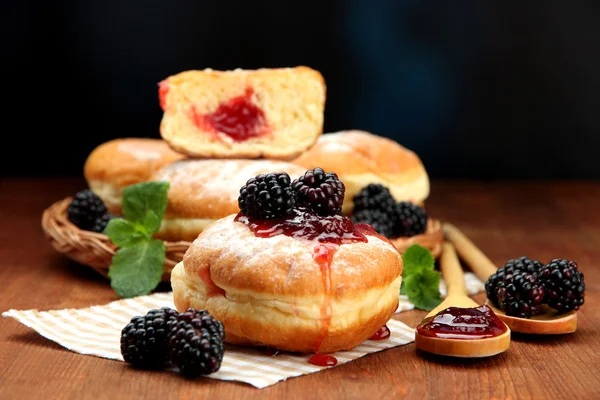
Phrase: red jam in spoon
[239,118]
[463,323]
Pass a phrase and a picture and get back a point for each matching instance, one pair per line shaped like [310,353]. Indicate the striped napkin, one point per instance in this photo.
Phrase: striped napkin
[96,331]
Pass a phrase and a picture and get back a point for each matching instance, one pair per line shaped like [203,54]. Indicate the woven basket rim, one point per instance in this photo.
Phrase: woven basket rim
[96,250]
[91,248]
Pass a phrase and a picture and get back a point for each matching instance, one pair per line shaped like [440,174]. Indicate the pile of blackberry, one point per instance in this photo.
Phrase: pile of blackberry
[522,286]
[87,211]
[192,341]
[274,195]
[375,205]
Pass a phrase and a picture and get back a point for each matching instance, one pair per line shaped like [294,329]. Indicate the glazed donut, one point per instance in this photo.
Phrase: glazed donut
[271,113]
[202,191]
[118,163]
[289,293]
[360,158]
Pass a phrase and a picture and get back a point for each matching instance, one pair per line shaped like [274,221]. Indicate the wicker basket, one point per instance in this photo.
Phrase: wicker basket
[96,250]
[432,239]
[90,248]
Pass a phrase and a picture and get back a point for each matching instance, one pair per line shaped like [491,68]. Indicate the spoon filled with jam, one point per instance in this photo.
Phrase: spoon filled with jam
[459,326]
[527,295]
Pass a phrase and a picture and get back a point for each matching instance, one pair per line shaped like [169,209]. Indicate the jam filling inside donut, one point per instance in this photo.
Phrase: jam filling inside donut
[211,288]
[163,89]
[238,118]
[463,323]
[327,232]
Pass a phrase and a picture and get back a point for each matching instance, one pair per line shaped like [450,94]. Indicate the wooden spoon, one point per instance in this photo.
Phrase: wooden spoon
[548,321]
[457,297]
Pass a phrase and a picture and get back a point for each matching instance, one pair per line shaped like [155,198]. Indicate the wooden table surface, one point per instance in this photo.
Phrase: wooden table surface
[506,219]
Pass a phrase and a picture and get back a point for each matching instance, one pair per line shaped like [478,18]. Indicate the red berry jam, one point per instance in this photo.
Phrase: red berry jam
[237,118]
[463,323]
[211,288]
[163,89]
[382,333]
[323,360]
[305,224]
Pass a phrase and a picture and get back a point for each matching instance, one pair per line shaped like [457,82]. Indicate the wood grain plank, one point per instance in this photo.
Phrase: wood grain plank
[506,219]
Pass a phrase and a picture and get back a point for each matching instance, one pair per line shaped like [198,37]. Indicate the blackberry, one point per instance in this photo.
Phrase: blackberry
[564,285]
[322,192]
[85,208]
[378,219]
[267,196]
[515,288]
[373,197]
[411,219]
[101,222]
[196,343]
[144,339]
[526,264]
[523,264]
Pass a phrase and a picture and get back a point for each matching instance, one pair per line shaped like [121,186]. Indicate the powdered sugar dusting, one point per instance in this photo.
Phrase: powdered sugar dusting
[283,260]
[233,240]
[139,151]
[334,142]
[223,178]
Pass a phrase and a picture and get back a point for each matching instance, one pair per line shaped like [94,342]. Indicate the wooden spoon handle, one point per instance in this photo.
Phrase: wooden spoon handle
[452,271]
[481,265]
[455,282]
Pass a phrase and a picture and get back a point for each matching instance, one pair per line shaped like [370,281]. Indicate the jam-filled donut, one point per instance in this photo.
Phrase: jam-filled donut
[271,113]
[118,163]
[296,276]
[361,158]
[202,191]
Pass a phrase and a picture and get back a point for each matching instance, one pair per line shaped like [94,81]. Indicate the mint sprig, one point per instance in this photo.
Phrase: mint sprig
[420,280]
[137,265]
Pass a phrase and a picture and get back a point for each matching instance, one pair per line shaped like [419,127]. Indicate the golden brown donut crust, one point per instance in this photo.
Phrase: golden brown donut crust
[127,161]
[246,260]
[360,158]
[209,189]
[274,289]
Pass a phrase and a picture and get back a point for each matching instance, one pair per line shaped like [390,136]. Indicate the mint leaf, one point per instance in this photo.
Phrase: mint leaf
[423,289]
[124,233]
[417,258]
[143,197]
[152,222]
[137,270]
[420,280]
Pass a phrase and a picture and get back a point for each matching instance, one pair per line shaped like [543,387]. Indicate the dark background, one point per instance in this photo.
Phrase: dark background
[479,89]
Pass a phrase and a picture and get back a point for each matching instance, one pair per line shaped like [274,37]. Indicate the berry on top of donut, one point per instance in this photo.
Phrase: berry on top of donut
[274,195]
[267,196]
[321,191]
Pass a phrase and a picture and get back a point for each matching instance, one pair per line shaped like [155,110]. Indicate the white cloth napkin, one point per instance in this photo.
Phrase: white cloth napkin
[96,331]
